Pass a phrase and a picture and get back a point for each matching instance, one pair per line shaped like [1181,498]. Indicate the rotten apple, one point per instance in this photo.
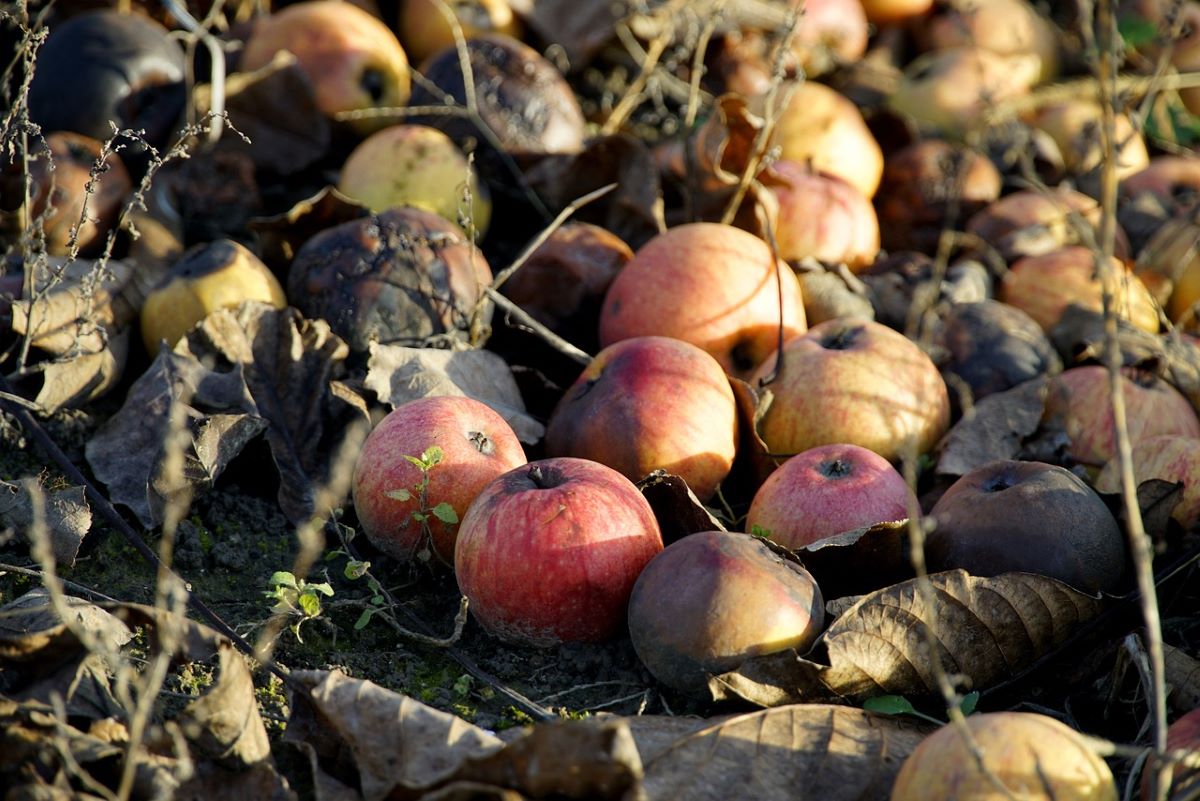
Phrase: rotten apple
[1168,457]
[548,552]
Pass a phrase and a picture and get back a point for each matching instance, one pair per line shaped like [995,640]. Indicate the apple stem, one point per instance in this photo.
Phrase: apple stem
[836,468]
[538,477]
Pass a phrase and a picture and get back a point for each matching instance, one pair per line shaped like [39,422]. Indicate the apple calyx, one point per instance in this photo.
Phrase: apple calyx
[836,468]
[482,442]
[841,338]
[373,83]
[996,484]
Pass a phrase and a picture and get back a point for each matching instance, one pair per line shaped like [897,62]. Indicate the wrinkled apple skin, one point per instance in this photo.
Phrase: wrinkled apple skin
[670,402]
[477,446]
[822,217]
[712,600]
[353,60]
[708,284]
[1081,398]
[1044,286]
[827,490]
[833,32]
[856,382]
[1034,756]
[548,553]
[1169,457]
[219,275]
[1030,517]
[1005,27]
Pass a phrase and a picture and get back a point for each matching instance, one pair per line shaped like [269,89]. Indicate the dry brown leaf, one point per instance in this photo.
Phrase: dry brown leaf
[398,374]
[860,560]
[1183,679]
[65,514]
[223,725]
[1080,338]
[996,428]
[811,751]
[986,629]
[677,509]
[282,235]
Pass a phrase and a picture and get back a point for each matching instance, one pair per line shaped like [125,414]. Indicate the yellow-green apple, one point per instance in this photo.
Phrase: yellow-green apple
[397,501]
[1044,286]
[220,275]
[1009,755]
[827,490]
[950,91]
[924,184]
[1030,223]
[69,203]
[548,552]
[671,403]
[1009,516]
[415,165]
[853,381]
[1005,27]
[886,12]
[424,29]
[824,129]
[822,217]
[712,600]
[715,286]
[1169,457]
[1076,126]
[1081,399]
[352,58]
[1169,265]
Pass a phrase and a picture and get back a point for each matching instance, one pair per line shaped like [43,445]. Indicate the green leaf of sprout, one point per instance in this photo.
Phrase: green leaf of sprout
[282,578]
[889,705]
[363,619]
[432,455]
[322,588]
[310,604]
[399,494]
[445,512]
[355,569]
[1137,31]
[969,702]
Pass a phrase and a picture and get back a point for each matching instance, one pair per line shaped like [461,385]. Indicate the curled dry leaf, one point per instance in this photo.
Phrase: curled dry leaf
[281,236]
[986,629]
[65,514]
[398,374]
[996,428]
[1079,338]
[811,751]
[676,508]
[860,560]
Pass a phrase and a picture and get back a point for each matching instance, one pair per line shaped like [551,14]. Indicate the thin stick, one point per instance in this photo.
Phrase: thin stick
[633,93]
[552,339]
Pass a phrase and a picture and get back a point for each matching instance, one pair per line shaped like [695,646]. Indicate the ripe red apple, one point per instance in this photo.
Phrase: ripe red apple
[827,490]
[823,217]
[1044,286]
[352,58]
[824,129]
[1169,457]
[712,600]
[1034,757]
[712,285]
[548,553]
[1081,398]
[477,446]
[671,403]
[857,382]
[1008,516]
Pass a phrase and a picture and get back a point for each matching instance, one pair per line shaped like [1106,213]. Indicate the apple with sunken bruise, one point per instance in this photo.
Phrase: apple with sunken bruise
[670,402]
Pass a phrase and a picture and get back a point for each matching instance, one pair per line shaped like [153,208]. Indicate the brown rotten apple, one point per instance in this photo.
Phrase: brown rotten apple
[548,553]
[647,403]
[1031,517]
[1032,757]
[712,600]
[353,60]
[857,382]
[827,490]
[1169,457]
[390,493]
[1080,397]
[714,286]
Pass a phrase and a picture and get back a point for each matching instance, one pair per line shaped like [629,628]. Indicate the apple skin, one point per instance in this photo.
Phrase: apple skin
[424,30]
[827,490]
[670,402]
[857,382]
[477,447]
[222,274]
[1030,223]
[414,165]
[822,217]
[1184,733]
[354,61]
[1169,457]
[824,129]
[887,12]
[833,32]
[1044,286]
[712,600]
[58,195]
[1076,126]
[1008,516]
[1005,27]
[548,553]
[708,284]
[1080,397]
[1034,756]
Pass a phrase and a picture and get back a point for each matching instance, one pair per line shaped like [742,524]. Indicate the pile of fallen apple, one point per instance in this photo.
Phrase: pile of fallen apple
[797,330]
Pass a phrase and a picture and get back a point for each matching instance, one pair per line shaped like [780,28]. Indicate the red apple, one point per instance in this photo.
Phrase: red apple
[832,32]
[1044,286]
[712,285]
[857,382]
[354,60]
[827,490]
[822,217]
[1008,516]
[60,190]
[712,600]
[477,446]
[670,402]
[1080,397]
[1183,734]
[548,553]
[1172,180]
[1169,457]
